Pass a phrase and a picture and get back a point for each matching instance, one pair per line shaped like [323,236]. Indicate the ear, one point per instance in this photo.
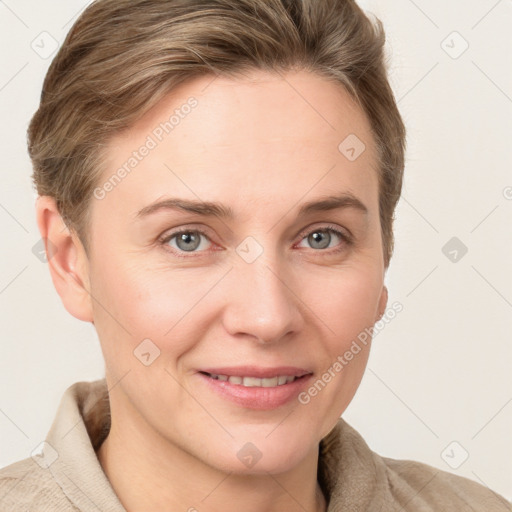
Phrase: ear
[67,260]
[383,301]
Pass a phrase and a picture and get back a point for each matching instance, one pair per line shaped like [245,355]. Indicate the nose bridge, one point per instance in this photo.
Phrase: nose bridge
[262,303]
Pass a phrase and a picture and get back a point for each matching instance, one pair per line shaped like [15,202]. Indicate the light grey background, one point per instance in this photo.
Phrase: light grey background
[438,382]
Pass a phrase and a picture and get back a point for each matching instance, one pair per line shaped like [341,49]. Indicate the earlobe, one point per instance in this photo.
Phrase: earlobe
[66,258]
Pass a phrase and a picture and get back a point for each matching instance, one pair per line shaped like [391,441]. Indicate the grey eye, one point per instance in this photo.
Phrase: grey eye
[187,240]
[320,239]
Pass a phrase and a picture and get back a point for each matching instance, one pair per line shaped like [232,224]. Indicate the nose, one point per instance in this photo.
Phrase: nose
[263,301]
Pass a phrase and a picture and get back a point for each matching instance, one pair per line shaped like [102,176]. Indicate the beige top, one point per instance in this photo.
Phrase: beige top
[68,477]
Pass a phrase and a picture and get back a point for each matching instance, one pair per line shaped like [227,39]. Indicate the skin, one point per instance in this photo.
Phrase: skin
[262,145]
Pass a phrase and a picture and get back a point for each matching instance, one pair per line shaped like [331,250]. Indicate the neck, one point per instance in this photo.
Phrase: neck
[148,473]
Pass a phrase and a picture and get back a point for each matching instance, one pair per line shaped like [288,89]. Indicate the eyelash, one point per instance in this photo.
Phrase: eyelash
[346,240]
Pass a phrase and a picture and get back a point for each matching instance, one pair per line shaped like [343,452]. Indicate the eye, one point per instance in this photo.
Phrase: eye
[191,240]
[320,238]
[185,241]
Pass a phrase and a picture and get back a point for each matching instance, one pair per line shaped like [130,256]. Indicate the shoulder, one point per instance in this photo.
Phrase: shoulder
[54,478]
[418,486]
[24,485]
[356,477]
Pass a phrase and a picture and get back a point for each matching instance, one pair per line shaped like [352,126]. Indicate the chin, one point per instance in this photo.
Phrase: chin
[259,456]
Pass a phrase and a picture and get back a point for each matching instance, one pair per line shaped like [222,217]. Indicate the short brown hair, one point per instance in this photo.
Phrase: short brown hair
[122,56]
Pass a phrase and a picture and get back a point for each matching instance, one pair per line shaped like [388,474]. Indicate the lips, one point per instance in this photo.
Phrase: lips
[256,396]
[257,371]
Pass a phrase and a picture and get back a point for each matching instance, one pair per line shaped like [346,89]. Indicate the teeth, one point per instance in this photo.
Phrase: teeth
[267,382]
[254,381]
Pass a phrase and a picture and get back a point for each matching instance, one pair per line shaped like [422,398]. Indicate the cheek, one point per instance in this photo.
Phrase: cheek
[346,308]
[345,299]
[347,312]
[176,307]
[138,303]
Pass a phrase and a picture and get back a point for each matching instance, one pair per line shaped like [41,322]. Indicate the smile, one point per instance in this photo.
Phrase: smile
[249,382]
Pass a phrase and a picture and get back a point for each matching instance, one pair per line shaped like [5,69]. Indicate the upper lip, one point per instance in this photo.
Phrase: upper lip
[257,371]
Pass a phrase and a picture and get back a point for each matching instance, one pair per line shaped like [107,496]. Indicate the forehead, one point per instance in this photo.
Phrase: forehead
[245,141]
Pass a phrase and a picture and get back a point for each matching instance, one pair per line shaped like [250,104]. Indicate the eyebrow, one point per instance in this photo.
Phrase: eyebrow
[214,209]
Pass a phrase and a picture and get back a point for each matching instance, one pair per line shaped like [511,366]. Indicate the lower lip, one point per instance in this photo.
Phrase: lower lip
[257,397]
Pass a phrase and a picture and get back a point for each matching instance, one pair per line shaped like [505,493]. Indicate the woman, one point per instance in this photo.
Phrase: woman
[264,135]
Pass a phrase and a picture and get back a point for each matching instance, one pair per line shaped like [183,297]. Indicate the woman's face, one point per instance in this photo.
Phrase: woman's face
[266,286]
